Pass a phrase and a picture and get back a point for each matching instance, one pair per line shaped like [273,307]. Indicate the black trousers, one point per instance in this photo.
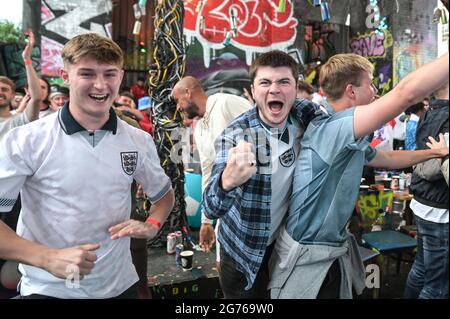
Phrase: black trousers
[130,293]
[332,283]
[233,282]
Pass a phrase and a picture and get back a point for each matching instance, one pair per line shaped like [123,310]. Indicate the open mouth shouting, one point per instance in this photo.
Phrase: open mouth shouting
[99,97]
[275,107]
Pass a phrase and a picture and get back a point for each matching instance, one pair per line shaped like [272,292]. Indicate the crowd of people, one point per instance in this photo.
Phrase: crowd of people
[281,170]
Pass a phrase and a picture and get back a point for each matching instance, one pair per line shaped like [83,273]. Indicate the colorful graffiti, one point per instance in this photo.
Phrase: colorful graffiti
[373,45]
[259,25]
[370,205]
[377,47]
[415,38]
[63,19]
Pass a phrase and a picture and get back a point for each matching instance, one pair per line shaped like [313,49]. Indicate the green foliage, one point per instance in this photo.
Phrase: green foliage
[10,33]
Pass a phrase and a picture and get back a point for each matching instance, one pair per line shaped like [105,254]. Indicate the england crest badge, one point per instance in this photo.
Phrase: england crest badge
[129,162]
[287,158]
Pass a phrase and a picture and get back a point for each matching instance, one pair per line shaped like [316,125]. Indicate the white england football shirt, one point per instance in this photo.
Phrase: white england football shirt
[74,186]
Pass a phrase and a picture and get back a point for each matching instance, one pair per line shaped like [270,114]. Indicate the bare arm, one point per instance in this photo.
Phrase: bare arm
[402,159]
[55,261]
[133,228]
[34,89]
[161,209]
[410,90]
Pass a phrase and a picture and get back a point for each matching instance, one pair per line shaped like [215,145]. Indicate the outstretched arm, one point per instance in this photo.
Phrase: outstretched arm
[402,159]
[34,89]
[410,90]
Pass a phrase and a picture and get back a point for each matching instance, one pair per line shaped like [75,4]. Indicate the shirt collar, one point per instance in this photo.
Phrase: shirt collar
[71,126]
[278,133]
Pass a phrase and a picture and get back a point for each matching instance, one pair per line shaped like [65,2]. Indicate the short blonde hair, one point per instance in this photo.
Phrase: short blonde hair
[92,45]
[341,70]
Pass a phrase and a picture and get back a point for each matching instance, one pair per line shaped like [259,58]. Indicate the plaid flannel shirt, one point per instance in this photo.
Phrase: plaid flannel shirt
[245,210]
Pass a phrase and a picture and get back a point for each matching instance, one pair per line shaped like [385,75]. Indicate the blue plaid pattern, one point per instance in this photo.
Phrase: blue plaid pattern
[245,211]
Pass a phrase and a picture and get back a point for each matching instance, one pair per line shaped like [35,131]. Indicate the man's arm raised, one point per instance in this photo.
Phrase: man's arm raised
[412,89]
[34,88]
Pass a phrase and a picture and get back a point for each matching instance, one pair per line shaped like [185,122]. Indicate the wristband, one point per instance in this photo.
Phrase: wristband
[155,222]
[28,62]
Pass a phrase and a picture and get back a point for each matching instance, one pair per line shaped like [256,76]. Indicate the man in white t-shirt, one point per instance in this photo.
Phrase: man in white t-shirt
[74,169]
[215,113]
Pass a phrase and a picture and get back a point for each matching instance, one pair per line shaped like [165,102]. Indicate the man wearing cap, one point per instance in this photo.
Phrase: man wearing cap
[58,97]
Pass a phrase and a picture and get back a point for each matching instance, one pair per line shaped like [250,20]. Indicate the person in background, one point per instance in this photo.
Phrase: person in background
[304,90]
[426,103]
[145,107]
[414,113]
[15,103]
[58,96]
[30,104]
[138,89]
[214,113]
[126,104]
[45,108]
[428,277]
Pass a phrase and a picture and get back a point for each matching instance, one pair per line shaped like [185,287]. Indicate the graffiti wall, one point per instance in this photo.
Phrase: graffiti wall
[375,42]
[415,37]
[63,19]
[377,47]
[223,38]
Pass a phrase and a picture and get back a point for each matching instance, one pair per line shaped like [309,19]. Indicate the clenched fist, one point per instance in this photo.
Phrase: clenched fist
[241,165]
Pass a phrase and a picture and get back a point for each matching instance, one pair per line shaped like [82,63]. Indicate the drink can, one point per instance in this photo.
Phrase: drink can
[394,184]
[325,11]
[179,236]
[401,183]
[171,243]
[178,250]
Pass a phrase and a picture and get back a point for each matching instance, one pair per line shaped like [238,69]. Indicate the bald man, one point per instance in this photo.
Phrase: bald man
[215,113]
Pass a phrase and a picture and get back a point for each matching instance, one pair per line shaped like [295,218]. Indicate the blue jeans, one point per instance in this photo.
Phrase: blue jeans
[428,278]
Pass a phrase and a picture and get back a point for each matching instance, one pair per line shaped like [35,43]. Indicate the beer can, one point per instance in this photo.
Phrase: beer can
[178,250]
[394,184]
[171,243]
[179,236]
[325,11]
